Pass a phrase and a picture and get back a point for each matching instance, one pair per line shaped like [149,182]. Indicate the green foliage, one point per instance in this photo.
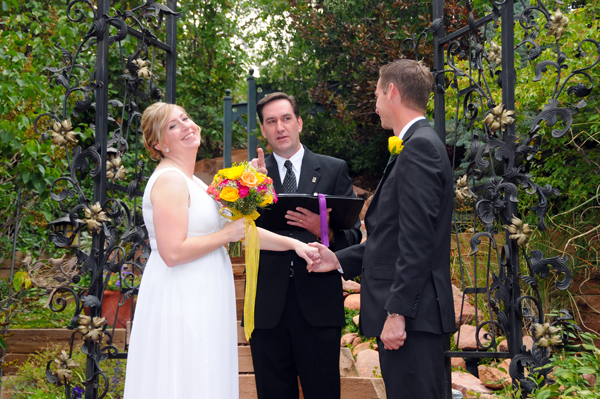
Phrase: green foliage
[210,60]
[568,369]
[30,380]
[29,309]
[350,326]
[29,32]
[569,163]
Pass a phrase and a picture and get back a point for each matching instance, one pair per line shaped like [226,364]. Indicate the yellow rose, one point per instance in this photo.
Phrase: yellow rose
[230,194]
[249,179]
[260,178]
[234,172]
[395,145]
[268,199]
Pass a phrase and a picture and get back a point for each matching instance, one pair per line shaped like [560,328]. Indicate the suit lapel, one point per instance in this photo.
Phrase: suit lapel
[388,169]
[309,173]
[273,171]
[415,126]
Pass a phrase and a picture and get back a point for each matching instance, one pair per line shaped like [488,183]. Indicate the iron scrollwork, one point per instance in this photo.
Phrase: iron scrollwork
[479,68]
[119,238]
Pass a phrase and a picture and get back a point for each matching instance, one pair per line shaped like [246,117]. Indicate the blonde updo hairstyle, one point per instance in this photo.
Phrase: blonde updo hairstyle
[154,120]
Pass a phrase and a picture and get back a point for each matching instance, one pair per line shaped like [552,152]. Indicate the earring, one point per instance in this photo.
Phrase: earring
[166,149]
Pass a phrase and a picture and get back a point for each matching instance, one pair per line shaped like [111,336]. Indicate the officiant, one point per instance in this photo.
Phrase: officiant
[298,316]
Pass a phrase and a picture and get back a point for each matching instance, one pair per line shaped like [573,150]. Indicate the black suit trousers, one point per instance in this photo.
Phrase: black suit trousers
[295,348]
[416,369]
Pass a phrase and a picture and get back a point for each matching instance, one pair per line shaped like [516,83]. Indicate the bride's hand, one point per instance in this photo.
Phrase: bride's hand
[309,254]
[234,231]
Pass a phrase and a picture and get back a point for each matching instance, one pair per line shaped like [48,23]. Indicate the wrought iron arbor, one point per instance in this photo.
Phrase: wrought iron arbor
[102,195]
[484,82]
[126,60]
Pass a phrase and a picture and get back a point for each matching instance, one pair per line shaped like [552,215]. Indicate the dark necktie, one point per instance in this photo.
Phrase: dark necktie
[289,181]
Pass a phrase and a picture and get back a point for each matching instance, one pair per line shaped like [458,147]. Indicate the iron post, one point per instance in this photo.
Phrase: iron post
[227,122]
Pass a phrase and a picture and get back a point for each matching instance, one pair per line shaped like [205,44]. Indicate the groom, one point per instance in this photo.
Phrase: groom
[406,294]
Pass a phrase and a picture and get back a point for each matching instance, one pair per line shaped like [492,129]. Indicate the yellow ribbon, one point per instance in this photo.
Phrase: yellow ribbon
[252,258]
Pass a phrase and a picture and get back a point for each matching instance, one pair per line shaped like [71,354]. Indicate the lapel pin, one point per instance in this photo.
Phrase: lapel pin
[314,179]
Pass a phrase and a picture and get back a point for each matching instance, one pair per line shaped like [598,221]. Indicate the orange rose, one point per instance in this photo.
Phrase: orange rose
[249,179]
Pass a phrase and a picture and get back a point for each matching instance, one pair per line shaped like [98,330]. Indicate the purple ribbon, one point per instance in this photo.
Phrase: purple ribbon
[323,216]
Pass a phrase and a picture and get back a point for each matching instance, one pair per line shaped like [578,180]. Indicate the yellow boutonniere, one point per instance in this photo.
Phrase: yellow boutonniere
[395,145]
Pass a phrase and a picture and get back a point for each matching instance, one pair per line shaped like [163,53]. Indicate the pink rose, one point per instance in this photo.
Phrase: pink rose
[243,191]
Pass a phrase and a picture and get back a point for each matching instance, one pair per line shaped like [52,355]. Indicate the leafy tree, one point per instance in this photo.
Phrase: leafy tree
[30,32]
[333,52]
[210,60]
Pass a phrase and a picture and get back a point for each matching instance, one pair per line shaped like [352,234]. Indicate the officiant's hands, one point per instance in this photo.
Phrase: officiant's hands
[306,219]
[259,163]
[328,261]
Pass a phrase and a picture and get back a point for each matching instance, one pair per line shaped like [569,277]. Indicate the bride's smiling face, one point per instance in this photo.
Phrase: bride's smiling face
[180,133]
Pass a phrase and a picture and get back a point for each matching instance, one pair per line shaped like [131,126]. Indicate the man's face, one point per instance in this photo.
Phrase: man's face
[382,105]
[281,128]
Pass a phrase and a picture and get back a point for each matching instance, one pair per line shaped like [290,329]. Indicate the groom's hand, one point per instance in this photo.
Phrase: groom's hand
[306,219]
[329,261]
[393,334]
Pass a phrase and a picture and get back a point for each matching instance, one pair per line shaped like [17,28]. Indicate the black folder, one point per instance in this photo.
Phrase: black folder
[343,215]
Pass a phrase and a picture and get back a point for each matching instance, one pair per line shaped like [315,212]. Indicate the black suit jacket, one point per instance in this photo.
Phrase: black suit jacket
[405,262]
[319,294]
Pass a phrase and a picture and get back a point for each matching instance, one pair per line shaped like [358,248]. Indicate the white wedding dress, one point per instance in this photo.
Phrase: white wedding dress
[184,339]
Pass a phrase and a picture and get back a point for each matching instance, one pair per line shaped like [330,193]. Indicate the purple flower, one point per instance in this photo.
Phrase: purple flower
[77,392]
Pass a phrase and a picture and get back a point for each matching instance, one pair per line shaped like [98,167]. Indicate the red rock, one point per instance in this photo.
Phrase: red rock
[468,313]
[590,379]
[350,285]
[458,362]
[493,378]
[356,341]
[347,339]
[361,347]
[347,364]
[467,337]
[360,192]
[352,302]
[355,319]
[527,341]
[468,383]
[367,362]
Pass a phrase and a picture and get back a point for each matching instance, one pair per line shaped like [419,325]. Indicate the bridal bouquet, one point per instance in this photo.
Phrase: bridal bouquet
[241,189]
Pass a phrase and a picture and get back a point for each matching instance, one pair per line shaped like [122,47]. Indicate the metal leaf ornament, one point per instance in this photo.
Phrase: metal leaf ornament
[91,329]
[462,191]
[519,231]
[495,53]
[395,145]
[143,72]
[62,133]
[94,217]
[546,335]
[498,118]
[64,364]
[115,170]
[558,23]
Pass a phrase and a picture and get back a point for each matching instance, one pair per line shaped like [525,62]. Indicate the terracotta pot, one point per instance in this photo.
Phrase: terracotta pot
[110,303]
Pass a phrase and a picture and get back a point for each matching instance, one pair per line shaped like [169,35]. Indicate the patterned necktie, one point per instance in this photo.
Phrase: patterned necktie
[289,181]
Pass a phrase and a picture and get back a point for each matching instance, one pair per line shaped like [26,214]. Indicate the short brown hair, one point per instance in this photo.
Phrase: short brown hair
[413,80]
[154,120]
[273,97]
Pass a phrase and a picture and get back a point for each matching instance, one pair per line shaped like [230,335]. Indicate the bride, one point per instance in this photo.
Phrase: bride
[184,336]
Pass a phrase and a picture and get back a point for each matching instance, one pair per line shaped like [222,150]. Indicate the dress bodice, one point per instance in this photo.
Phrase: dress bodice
[204,217]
